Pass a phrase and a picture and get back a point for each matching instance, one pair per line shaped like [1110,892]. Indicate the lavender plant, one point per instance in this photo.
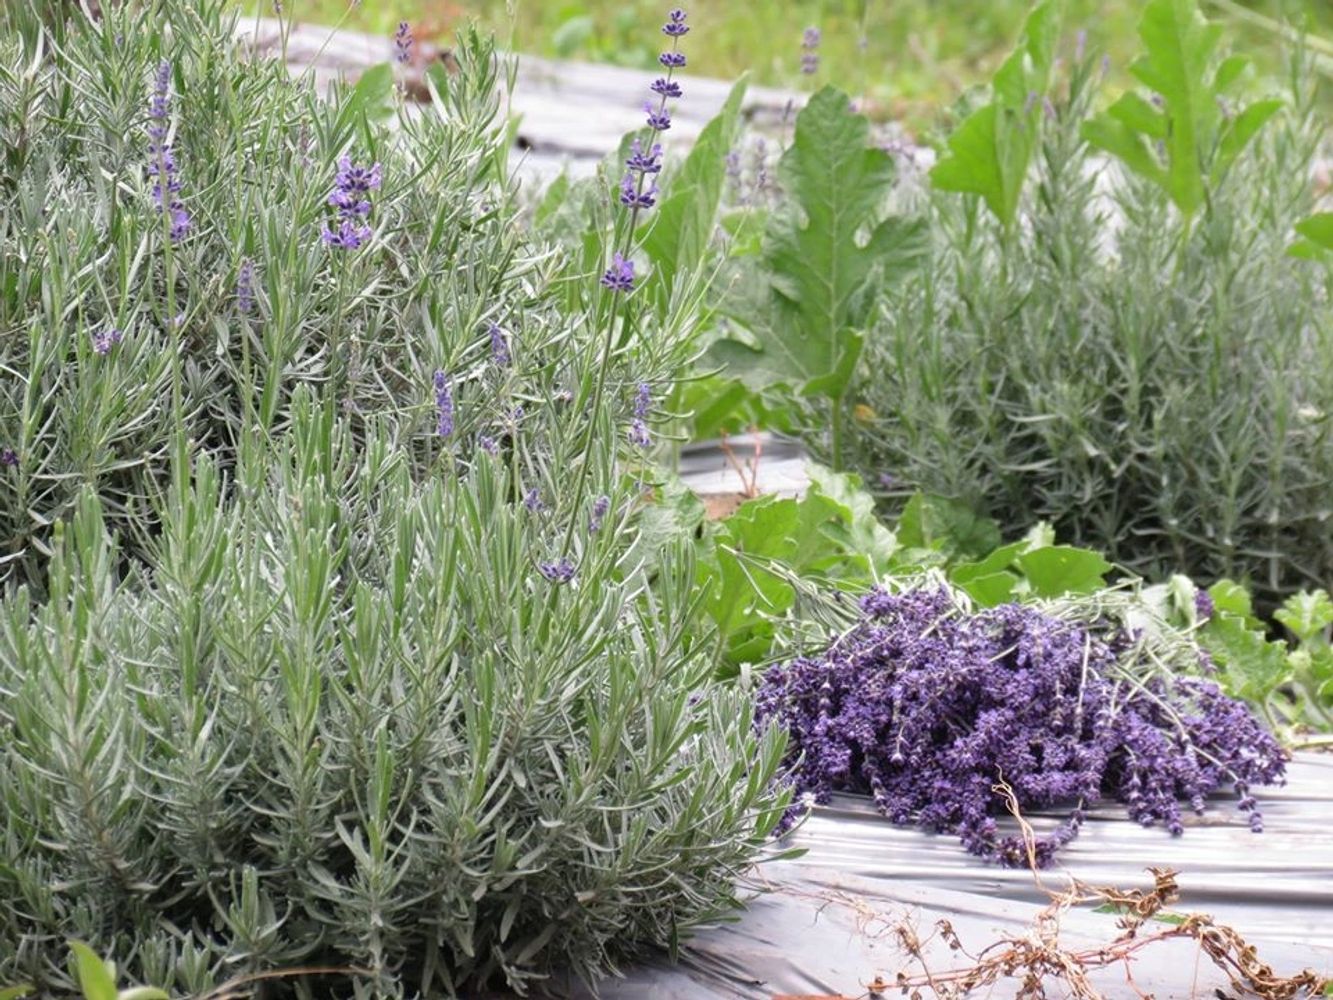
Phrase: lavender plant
[1156,390]
[356,704]
[927,706]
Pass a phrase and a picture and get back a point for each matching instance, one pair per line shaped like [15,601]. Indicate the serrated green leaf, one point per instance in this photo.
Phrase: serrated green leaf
[1252,667]
[861,533]
[816,288]
[1229,597]
[1063,569]
[990,152]
[1180,141]
[1307,614]
[95,977]
[948,526]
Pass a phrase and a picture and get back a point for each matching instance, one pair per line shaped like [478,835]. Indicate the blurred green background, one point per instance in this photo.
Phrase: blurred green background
[909,57]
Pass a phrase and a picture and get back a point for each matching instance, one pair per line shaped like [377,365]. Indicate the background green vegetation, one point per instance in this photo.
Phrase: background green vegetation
[916,56]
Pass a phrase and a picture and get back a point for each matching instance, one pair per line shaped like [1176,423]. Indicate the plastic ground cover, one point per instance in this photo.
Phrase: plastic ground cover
[825,927]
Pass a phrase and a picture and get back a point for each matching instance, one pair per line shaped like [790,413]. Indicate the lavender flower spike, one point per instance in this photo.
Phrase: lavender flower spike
[600,508]
[245,286]
[499,346]
[162,165]
[402,42]
[444,406]
[810,51]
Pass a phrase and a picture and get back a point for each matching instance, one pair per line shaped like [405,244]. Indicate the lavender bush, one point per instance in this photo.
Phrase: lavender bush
[927,706]
[326,636]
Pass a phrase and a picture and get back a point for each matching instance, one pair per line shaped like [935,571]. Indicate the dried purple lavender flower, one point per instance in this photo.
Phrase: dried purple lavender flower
[925,707]
[1203,605]
[444,406]
[402,42]
[104,340]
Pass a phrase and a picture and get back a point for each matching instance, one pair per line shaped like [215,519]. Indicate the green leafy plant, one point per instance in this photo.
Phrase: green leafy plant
[1155,391]
[1316,234]
[1187,137]
[827,253]
[990,153]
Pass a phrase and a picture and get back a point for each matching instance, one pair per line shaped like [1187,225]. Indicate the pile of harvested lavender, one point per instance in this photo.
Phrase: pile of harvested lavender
[927,706]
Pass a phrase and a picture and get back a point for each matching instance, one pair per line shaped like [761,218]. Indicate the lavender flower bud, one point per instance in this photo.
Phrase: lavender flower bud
[665,87]
[672,60]
[561,571]
[162,165]
[9,457]
[659,119]
[810,51]
[245,291]
[600,507]
[644,163]
[402,42]
[104,340]
[488,444]
[499,346]
[619,277]
[532,500]
[444,406]
[631,197]
[675,26]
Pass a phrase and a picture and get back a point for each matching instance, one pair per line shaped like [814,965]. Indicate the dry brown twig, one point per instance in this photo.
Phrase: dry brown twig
[1038,955]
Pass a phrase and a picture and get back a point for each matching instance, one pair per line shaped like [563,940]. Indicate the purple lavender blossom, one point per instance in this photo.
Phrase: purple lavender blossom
[245,287]
[659,119]
[600,507]
[638,428]
[9,457]
[810,51]
[672,60]
[162,166]
[666,87]
[351,197]
[488,444]
[644,163]
[499,346]
[619,277]
[532,500]
[559,571]
[675,26]
[402,42]
[444,406]
[104,340]
[632,195]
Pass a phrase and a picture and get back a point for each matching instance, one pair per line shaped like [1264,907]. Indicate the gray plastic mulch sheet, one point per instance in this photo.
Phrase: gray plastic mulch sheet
[826,924]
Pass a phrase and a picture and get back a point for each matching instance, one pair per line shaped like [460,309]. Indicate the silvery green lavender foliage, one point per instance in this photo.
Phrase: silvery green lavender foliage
[926,706]
[1158,392]
[289,673]
[255,300]
[343,717]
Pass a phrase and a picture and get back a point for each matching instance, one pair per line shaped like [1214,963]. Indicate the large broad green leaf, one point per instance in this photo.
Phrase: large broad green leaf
[1252,667]
[948,526]
[1181,140]
[826,253]
[1306,614]
[1317,236]
[677,234]
[1062,569]
[853,529]
[96,979]
[989,153]
[14,992]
